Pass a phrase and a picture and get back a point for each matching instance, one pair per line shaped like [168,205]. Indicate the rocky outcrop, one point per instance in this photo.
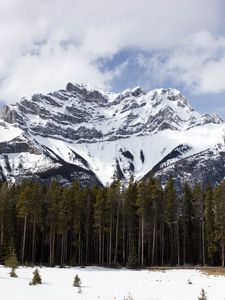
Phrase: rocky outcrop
[8,114]
[207,167]
[18,145]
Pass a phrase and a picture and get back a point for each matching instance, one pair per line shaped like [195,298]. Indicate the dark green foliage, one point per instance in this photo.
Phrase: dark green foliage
[143,224]
[132,259]
[11,259]
[210,223]
[219,200]
[36,278]
[77,281]
[203,295]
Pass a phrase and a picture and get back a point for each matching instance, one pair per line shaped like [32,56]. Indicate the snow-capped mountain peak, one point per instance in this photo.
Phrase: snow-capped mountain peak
[102,134]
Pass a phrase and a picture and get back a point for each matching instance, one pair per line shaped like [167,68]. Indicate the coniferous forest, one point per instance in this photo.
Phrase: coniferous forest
[140,225]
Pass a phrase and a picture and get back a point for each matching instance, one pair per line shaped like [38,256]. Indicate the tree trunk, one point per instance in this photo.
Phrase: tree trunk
[62,250]
[184,246]
[117,230]
[162,246]
[52,246]
[2,233]
[139,242]
[87,238]
[110,238]
[171,245]
[79,257]
[222,254]
[24,239]
[124,250]
[202,231]
[178,243]
[142,241]
[153,240]
[100,245]
[33,242]
[103,247]
[149,247]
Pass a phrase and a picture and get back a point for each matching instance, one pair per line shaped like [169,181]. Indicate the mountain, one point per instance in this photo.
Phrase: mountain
[86,134]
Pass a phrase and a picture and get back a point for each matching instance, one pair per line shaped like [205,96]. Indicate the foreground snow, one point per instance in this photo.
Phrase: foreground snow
[102,283]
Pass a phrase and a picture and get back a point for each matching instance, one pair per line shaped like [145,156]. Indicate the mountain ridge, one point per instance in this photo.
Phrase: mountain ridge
[102,134]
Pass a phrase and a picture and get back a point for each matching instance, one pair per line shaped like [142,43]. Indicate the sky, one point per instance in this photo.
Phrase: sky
[114,45]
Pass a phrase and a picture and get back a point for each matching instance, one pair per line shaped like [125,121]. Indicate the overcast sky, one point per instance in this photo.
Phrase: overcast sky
[114,44]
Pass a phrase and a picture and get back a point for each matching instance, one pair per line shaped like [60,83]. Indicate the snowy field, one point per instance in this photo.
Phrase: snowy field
[111,284]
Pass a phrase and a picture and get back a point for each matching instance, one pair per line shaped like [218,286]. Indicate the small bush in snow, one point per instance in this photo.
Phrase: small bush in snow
[13,273]
[77,281]
[203,295]
[36,278]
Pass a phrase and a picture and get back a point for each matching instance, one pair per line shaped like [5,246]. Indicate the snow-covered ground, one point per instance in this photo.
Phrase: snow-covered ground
[111,284]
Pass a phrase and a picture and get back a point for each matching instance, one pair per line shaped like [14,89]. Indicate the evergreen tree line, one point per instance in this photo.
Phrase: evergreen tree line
[141,225]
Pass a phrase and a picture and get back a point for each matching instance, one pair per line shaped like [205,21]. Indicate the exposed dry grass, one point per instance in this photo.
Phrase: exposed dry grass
[213,270]
[205,270]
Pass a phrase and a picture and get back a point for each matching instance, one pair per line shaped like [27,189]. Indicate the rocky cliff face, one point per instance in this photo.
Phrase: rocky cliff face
[86,134]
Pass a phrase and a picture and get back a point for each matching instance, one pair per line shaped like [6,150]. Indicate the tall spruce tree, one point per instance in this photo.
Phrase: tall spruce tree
[100,220]
[199,223]
[188,225]
[130,215]
[170,215]
[219,200]
[53,199]
[23,213]
[210,229]
[141,208]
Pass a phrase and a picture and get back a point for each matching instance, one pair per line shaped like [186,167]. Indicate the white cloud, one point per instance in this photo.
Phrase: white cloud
[51,69]
[198,63]
[45,44]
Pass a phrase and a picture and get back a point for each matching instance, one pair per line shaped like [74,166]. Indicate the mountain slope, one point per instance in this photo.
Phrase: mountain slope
[84,133]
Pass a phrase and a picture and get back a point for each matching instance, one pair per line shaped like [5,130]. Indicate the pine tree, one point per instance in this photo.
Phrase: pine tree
[64,217]
[100,220]
[210,230]
[3,205]
[170,214]
[53,199]
[203,295]
[141,208]
[219,201]
[199,223]
[11,259]
[8,196]
[188,225]
[77,281]
[35,213]
[130,217]
[36,278]
[132,258]
[23,204]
